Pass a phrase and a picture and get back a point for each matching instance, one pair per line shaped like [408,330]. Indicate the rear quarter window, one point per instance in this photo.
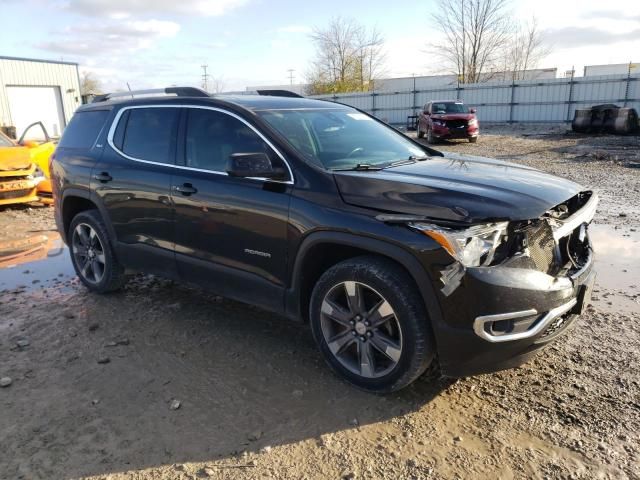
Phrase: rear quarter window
[83,129]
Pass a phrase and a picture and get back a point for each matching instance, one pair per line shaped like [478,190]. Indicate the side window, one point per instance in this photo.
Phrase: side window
[149,133]
[83,129]
[212,137]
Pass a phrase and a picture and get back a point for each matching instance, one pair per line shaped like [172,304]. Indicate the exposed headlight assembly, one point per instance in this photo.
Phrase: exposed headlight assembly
[472,247]
[473,122]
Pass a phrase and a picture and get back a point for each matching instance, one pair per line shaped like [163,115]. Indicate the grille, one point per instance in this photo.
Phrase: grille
[541,245]
[456,123]
[15,193]
[557,326]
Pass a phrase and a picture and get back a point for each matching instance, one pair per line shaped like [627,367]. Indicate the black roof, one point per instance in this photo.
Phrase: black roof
[260,102]
[248,102]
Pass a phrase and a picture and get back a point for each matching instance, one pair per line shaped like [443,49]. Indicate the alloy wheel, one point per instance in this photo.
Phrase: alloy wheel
[88,253]
[361,329]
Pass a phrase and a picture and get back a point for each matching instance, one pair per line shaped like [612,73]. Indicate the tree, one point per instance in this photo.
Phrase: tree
[475,34]
[349,57]
[216,85]
[89,85]
[525,50]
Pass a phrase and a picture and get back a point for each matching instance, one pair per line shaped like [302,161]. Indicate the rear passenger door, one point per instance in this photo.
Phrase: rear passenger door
[231,233]
[132,181]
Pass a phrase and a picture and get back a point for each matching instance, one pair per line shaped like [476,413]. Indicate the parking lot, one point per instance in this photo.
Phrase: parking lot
[166,381]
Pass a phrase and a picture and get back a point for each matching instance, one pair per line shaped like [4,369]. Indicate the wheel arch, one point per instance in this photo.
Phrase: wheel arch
[77,200]
[321,250]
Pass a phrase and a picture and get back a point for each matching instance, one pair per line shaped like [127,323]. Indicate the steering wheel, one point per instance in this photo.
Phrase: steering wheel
[355,151]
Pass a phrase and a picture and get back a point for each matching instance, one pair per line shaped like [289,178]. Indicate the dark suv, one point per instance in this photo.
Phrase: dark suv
[402,259]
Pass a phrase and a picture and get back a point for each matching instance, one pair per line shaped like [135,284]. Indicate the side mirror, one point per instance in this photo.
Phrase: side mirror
[472,110]
[253,165]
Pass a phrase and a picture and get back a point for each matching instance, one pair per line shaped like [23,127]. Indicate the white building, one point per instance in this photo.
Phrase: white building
[38,90]
[611,69]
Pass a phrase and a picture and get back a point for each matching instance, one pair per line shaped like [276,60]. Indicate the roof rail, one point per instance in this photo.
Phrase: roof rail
[279,93]
[178,91]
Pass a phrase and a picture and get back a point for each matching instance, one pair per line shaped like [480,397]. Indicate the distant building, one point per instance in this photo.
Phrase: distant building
[611,69]
[34,90]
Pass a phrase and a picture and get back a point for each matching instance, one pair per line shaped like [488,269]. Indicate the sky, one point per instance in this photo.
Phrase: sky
[155,43]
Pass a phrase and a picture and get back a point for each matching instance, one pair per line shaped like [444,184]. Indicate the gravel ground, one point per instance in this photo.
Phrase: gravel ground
[165,381]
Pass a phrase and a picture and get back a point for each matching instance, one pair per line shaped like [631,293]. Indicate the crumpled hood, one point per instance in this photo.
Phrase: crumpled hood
[457,188]
[14,158]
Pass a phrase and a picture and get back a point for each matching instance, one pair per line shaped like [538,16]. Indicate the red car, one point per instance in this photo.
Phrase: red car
[445,119]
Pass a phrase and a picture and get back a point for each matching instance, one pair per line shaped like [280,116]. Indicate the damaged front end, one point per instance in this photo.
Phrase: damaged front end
[549,254]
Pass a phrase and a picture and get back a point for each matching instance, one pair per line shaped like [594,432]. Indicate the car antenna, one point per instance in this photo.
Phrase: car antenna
[129,89]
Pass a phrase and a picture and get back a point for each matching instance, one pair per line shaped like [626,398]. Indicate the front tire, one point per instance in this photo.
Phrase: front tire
[370,324]
[92,254]
[430,138]
[419,133]
[473,139]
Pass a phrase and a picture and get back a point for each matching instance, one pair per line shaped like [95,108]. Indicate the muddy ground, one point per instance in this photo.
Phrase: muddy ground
[95,379]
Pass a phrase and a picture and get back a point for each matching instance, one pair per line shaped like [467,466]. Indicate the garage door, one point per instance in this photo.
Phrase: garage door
[36,104]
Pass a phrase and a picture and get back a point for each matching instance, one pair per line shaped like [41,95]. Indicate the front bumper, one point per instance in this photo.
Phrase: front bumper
[512,312]
[17,191]
[445,132]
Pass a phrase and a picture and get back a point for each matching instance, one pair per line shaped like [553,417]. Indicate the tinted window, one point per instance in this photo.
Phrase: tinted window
[149,133]
[213,136]
[83,129]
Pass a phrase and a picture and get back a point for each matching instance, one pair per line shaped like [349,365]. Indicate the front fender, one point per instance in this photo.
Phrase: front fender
[293,304]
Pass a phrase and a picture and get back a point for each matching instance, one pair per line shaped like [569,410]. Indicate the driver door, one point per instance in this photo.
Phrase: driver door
[231,233]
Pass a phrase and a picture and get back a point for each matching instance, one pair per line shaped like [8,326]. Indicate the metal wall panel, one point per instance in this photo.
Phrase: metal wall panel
[27,72]
[541,100]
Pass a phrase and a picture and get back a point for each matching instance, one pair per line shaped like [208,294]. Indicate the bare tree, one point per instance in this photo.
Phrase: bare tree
[475,33]
[370,57]
[525,50]
[349,57]
[216,85]
[90,85]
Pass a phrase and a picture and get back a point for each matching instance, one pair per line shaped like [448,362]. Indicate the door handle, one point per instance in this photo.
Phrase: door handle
[185,189]
[103,177]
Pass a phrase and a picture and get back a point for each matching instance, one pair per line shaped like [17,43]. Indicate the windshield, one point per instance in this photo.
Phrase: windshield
[4,141]
[448,107]
[342,139]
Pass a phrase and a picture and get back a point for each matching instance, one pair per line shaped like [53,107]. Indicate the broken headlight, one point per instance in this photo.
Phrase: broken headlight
[472,247]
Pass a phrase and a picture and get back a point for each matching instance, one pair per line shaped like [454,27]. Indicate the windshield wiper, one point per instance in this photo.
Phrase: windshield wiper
[358,168]
[411,159]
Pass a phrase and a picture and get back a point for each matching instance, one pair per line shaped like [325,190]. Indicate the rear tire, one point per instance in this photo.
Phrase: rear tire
[370,324]
[92,254]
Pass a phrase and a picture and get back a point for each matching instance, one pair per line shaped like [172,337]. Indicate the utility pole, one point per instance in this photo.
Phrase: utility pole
[205,78]
[291,76]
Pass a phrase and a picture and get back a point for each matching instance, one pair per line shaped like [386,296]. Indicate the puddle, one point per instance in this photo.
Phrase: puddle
[617,257]
[38,260]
